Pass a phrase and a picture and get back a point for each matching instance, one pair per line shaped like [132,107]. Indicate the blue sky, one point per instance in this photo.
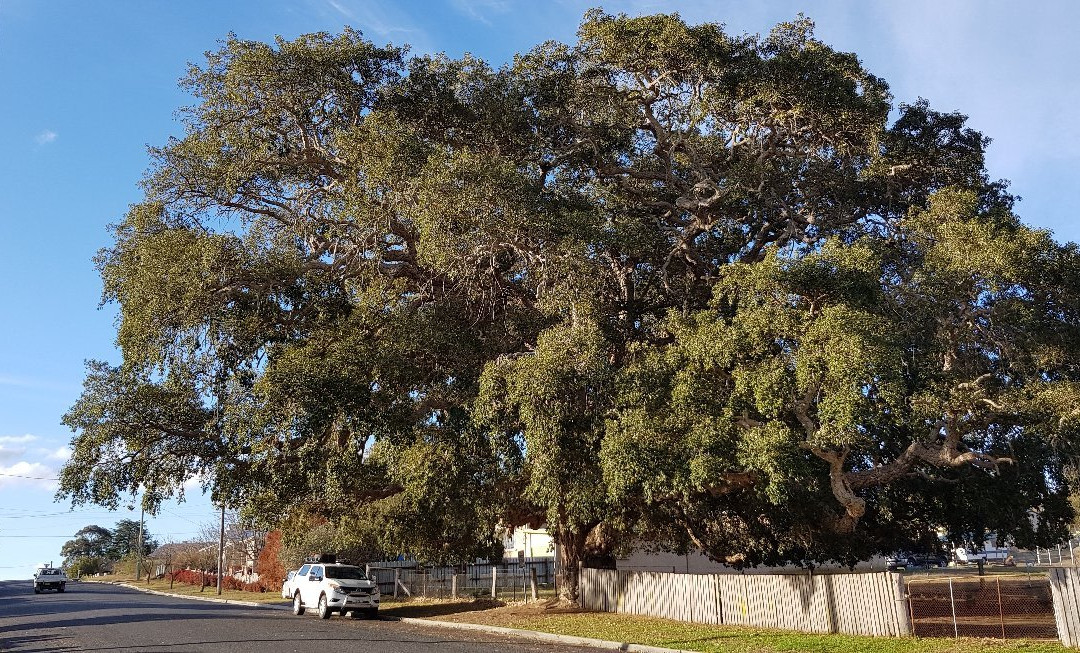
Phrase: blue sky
[86,86]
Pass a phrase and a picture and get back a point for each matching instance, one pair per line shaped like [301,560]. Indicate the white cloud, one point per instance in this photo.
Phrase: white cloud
[14,446]
[27,474]
[62,454]
[46,137]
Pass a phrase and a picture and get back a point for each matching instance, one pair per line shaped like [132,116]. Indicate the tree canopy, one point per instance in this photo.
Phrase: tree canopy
[664,286]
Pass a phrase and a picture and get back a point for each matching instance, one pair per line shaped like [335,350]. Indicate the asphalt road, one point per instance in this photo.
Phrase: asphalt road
[101,617]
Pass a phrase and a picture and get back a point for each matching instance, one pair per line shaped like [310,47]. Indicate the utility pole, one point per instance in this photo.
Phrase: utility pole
[138,551]
[221,549]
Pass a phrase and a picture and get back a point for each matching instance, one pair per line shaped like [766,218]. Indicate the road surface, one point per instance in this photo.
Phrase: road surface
[101,617]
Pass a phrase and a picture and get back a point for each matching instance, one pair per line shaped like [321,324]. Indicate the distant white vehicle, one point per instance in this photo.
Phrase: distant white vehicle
[49,578]
[286,585]
[990,554]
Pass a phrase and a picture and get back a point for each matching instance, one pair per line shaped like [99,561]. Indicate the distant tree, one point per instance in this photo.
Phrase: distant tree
[125,540]
[243,539]
[87,566]
[89,542]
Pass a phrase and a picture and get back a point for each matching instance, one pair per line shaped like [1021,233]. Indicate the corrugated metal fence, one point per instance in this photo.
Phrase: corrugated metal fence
[857,604]
[1065,590]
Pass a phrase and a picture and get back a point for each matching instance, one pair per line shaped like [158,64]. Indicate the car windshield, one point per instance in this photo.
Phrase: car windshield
[346,573]
[46,572]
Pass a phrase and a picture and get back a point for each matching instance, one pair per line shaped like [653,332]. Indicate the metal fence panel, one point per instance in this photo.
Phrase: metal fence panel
[855,603]
[511,580]
[995,606]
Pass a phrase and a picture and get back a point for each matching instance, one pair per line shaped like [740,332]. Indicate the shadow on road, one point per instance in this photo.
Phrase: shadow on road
[440,609]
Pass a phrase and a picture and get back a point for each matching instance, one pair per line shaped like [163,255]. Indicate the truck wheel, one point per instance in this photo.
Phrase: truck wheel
[36,590]
[324,607]
[297,605]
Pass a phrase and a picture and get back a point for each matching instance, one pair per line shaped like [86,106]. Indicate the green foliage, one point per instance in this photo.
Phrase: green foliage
[84,565]
[664,284]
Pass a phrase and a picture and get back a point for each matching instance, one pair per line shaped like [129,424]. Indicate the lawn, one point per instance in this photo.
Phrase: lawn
[695,637]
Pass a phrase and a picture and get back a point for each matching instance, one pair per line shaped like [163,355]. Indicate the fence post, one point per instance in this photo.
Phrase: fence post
[903,612]
[397,580]
[580,584]
[952,605]
[532,582]
[494,575]
[453,585]
[1001,609]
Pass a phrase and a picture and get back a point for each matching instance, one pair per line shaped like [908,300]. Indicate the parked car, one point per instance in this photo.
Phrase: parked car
[49,578]
[286,585]
[334,587]
[909,560]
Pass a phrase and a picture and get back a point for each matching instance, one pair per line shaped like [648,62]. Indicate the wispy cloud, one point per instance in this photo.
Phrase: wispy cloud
[379,19]
[480,10]
[35,384]
[46,137]
[341,9]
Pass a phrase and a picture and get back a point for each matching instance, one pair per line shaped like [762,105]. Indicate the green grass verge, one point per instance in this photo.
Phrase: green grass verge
[670,634]
[183,589]
[696,637]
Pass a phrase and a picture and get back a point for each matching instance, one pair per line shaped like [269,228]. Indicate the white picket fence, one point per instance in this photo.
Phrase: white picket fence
[857,604]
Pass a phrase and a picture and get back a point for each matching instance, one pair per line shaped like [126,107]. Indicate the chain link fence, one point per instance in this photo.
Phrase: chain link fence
[998,606]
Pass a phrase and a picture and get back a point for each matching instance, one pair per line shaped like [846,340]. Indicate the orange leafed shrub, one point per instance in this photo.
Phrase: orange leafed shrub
[269,568]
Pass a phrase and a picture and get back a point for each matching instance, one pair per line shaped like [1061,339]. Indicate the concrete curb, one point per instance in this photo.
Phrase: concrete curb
[545,637]
[629,647]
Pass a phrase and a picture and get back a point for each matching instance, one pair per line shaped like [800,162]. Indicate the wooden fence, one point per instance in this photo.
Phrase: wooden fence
[857,604]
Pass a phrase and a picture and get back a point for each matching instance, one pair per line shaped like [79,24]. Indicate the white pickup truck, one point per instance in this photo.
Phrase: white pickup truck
[49,578]
[332,587]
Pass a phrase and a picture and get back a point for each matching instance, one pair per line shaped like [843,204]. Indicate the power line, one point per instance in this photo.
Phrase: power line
[32,478]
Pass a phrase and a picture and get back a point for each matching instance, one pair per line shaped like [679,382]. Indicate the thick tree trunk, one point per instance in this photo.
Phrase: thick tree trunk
[570,553]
